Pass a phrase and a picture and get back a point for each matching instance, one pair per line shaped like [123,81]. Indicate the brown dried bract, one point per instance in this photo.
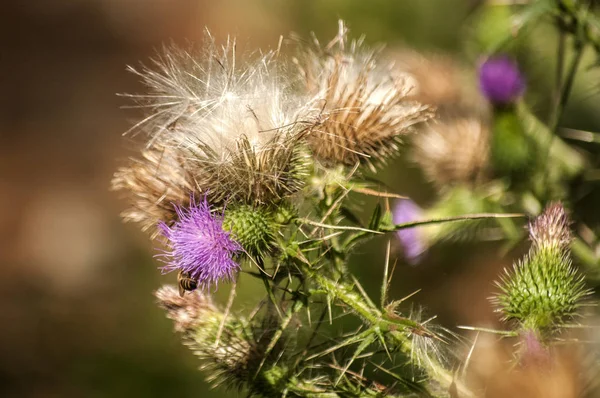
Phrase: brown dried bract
[366,109]
[153,184]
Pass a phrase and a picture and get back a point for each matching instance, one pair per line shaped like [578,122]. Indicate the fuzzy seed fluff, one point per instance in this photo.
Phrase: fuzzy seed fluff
[236,124]
[366,109]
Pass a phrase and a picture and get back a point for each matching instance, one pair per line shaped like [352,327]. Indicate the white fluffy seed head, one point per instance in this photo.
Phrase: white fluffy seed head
[237,127]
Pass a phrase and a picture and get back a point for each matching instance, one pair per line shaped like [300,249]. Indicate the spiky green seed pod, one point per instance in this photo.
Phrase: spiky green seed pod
[252,227]
[543,291]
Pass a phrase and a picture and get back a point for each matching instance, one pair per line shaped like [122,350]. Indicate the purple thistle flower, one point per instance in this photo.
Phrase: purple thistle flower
[412,243]
[500,80]
[199,246]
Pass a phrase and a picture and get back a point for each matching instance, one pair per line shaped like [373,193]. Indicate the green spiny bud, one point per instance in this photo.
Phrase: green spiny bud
[285,213]
[252,227]
[543,290]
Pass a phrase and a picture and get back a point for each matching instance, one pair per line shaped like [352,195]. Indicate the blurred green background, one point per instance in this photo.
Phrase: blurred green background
[76,306]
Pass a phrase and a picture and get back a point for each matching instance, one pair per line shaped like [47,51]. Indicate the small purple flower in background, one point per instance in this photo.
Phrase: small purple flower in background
[500,80]
[199,246]
[412,243]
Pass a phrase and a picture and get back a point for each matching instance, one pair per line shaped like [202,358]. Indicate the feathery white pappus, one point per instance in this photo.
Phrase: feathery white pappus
[236,125]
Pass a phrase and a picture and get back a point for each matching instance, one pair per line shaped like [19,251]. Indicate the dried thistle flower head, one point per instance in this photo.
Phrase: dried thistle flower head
[153,183]
[454,151]
[442,81]
[186,311]
[366,107]
[237,127]
[224,345]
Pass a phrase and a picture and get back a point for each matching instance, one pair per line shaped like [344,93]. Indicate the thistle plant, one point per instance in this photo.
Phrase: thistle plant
[544,292]
[250,169]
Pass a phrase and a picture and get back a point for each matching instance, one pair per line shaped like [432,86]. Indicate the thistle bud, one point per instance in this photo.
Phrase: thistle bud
[253,227]
[543,291]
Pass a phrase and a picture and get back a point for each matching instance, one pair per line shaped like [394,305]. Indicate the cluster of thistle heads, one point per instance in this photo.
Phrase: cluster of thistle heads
[244,156]
[235,145]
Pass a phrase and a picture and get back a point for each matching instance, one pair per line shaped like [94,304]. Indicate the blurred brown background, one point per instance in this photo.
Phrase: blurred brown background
[76,311]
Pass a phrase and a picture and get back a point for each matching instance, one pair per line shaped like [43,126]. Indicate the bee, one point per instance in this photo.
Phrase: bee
[186,283]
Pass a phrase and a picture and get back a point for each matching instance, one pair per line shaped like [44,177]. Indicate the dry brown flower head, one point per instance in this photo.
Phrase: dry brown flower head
[366,108]
[454,151]
[153,183]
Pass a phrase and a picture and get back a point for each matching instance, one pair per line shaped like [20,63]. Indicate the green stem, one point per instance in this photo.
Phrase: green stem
[561,104]
[567,86]
[335,227]
[392,327]
[558,78]
[465,217]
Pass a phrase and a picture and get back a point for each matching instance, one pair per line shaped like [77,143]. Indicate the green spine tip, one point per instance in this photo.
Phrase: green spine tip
[284,214]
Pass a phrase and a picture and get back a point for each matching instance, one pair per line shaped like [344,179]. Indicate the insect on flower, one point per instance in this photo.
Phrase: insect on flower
[199,248]
[186,283]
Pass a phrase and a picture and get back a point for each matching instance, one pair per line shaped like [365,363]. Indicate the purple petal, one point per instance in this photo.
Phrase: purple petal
[412,243]
[501,80]
[199,246]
